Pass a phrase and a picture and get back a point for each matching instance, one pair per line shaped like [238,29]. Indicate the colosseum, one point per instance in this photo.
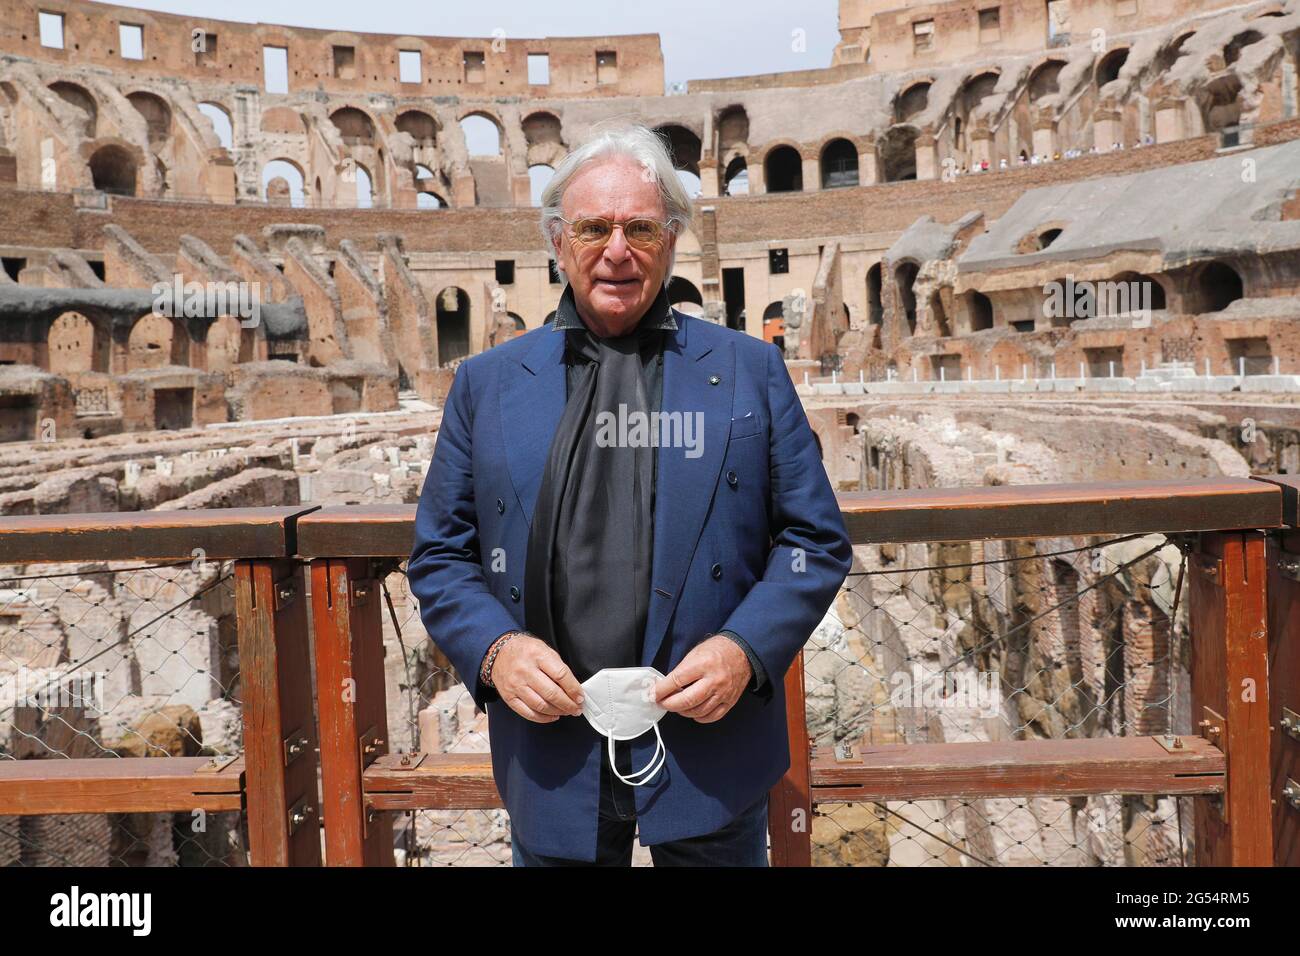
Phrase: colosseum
[1000,242]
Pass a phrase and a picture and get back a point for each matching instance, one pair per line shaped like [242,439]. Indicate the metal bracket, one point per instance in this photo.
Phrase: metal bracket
[286,592]
[1291,723]
[845,750]
[409,761]
[217,764]
[363,592]
[295,745]
[369,745]
[1171,742]
[1291,792]
[299,813]
[1213,726]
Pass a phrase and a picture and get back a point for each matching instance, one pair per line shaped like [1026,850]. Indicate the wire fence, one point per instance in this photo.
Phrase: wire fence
[926,643]
[119,660]
[1004,640]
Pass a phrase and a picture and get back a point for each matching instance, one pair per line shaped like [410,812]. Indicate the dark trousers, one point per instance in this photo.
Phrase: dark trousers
[742,842]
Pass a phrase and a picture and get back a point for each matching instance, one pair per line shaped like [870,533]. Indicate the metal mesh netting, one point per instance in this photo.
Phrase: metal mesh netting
[115,660]
[989,641]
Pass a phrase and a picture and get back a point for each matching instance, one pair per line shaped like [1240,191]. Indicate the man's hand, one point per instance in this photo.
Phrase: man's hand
[534,682]
[708,681]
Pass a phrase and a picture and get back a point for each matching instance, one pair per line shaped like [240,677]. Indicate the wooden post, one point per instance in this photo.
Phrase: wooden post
[1230,694]
[346,608]
[1284,691]
[789,808]
[279,737]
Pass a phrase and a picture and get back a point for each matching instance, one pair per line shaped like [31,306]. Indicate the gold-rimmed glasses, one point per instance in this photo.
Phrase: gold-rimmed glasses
[595,231]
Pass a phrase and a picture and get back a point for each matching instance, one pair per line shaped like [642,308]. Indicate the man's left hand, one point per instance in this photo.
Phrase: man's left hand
[708,681]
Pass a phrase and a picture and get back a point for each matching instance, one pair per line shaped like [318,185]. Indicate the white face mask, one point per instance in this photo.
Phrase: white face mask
[620,703]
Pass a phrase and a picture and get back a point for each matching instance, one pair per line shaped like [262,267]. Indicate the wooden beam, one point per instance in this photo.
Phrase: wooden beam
[351,704]
[221,534]
[1062,768]
[1230,691]
[455,781]
[1059,510]
[358,531]
[789,806]
[119,785]
[279,732]
[928,514]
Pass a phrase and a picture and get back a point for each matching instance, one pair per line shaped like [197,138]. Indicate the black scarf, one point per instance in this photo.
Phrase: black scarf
[587,573]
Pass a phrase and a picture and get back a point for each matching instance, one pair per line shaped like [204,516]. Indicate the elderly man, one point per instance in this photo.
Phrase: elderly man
[625,537]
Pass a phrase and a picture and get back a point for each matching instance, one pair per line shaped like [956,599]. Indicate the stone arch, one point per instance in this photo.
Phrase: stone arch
[1171,51]
[538,178]
[290,174]
[79,97]
[782,169]
[226,344]
[1216,285]
[156,112]
[78,343]
[912,101]
[453,318]
[222,124]
[114,170]
[975,90]
[1108,67]
[480,140]
[735,178]
[683,145]
[682,292]
[157,341]
[1232,49]
[544,136]
[875,301]
[1045,80]
[774,324]
[420,126]
[1154,289]
[355,126]
[839,164]
[732,124]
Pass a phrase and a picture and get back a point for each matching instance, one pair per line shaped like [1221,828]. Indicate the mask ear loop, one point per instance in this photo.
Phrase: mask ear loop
[643,776]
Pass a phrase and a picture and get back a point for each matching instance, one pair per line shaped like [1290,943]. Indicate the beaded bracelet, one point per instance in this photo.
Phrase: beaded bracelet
[492,657]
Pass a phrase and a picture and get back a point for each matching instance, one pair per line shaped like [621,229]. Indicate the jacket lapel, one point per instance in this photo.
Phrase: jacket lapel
[684,486]
[532,403]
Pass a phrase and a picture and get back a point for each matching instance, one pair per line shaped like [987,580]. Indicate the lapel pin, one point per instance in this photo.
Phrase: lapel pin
[714,380]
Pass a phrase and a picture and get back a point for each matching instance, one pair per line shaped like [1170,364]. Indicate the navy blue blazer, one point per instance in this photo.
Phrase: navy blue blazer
[747,537]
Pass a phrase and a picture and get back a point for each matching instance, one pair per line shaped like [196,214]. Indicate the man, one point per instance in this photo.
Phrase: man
[559,548]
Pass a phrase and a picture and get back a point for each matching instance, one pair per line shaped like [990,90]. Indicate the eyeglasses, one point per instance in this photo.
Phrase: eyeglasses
[594,231]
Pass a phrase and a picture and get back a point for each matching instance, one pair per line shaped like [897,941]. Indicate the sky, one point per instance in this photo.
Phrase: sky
[701,39]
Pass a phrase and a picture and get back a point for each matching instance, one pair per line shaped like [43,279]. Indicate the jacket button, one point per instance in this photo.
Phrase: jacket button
[514,595]
[714,380]
[501,507]
[732,479]
[717,571]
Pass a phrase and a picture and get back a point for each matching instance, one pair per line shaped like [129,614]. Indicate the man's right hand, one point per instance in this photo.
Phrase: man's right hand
[534,682]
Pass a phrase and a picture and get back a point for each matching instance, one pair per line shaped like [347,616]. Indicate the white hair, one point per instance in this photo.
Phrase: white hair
[636,142]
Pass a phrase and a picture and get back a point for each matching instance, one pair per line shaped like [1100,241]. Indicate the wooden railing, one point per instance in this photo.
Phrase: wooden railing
[1242,537]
